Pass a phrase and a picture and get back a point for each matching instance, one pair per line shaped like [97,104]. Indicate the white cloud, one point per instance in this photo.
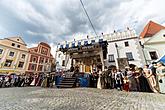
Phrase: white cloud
[59,20]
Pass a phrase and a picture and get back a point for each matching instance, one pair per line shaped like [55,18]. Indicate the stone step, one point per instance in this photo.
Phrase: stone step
[67,82]
[65,86]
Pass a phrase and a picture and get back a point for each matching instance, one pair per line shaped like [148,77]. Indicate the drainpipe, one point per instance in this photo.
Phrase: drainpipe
[117,55]
[117,50]
[142,46]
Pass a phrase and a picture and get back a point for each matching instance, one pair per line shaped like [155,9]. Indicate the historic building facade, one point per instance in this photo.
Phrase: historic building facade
[124,45]
[120,45]
[153,40]
[13,55]
[40,59]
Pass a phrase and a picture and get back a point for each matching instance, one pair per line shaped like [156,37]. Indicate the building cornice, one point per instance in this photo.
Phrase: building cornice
[122,39]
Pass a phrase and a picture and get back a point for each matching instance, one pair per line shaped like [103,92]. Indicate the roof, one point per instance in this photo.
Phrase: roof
[150,29]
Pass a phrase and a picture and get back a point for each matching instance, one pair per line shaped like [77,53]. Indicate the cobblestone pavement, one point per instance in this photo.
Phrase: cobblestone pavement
[35,98]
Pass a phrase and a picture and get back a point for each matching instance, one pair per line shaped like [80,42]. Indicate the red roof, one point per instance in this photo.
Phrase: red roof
[150,29]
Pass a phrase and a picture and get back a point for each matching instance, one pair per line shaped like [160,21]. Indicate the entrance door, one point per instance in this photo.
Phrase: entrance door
[87,69]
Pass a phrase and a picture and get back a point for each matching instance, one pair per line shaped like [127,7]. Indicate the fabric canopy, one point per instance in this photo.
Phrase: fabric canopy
[162,59]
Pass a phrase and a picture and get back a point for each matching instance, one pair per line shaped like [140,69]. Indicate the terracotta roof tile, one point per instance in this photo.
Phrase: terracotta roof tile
[150,29]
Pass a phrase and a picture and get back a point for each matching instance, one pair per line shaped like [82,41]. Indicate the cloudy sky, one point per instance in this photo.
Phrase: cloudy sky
[54,21]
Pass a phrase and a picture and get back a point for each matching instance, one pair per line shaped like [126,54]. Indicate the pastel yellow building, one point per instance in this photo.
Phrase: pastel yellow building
[13,55]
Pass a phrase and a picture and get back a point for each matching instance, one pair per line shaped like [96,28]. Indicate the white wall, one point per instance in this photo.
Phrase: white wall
[133,47]
[155,43]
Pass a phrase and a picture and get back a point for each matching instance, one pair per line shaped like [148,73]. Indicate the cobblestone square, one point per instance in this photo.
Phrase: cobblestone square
[36,98]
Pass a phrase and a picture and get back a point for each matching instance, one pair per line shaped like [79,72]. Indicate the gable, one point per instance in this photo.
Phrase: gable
[151,29]
[157,38]
[17,39]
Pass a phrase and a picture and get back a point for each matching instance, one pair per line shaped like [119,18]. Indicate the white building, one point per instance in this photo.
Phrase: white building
[154,48]
[153,40]
[124,45]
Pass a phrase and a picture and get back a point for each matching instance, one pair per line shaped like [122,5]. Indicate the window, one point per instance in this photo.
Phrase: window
[8,63]
[17,39]
[18,46]
[41,60]
[13,44]
[20,65]
[153,55]
[126,44]
[129,56]
[111,58]
[40,68]
[1,50]
[33,67]
[63,62]
[34,60]
[23,56]
[11,54]
[46,61]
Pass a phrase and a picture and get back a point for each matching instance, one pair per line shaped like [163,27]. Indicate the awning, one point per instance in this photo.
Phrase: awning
[162,59]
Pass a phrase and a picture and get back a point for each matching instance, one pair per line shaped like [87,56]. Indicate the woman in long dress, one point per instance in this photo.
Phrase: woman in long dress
[142,81]
[150,78]
[160,71]
[132,81]
[99,81]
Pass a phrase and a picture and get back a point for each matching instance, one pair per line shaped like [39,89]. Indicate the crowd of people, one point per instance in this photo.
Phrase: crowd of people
[150,78]
[13,80]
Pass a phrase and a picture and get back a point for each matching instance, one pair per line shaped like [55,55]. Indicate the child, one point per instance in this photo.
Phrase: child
[126,84]
[118,78]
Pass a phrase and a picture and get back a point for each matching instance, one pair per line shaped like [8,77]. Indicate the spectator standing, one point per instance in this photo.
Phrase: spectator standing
[161,77]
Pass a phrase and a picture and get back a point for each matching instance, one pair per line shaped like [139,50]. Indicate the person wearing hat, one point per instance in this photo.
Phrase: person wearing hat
[160,71]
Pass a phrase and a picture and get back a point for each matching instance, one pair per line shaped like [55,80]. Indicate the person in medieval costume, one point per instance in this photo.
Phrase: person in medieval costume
[39,80]
[44,81]
[143,83]
[108,78]
[95,79]
[151,78]
[34,81]
[160,71]
[132,81]
[126,84]
[118,79]
[113,84]
[99,80]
